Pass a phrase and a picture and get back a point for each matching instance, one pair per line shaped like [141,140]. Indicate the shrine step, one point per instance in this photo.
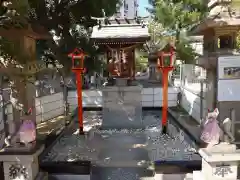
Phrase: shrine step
[183,176]
[68,177]
[74,168]
[122,173]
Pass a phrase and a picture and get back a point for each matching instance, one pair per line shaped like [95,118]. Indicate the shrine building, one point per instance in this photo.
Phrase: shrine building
[119,38]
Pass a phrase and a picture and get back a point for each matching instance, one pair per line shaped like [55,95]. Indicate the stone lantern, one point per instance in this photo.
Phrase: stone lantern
[152,63]
[24,159]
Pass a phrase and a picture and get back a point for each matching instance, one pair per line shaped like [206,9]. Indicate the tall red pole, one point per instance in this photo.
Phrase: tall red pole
[165,72]
[79,94]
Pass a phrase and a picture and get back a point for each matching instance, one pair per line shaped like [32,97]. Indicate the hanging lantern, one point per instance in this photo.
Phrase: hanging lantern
[166,59]
[77,60]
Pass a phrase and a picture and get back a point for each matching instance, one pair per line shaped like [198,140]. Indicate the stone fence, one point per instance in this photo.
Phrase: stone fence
[151,97]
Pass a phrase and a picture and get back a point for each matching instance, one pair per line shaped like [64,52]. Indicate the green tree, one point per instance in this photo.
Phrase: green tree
[70,22]
[176,17]
[12,15]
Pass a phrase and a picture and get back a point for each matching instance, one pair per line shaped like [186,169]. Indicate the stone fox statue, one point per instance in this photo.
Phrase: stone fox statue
[211,131]
[26,133]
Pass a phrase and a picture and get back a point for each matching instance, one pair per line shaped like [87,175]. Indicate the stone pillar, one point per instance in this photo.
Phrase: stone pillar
[23,165]
[211,89]
[122,107]
[21,162]
[133,64]
[188,73]
[218,163]
[25,85]
[152,72]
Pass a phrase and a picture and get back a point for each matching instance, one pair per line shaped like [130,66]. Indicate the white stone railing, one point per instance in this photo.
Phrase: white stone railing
[191,102]
[50,106]
[47,107]
[151,97]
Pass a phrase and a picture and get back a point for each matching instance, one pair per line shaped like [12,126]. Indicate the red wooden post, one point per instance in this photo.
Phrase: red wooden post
[77,68]
[165,70]
[79,94]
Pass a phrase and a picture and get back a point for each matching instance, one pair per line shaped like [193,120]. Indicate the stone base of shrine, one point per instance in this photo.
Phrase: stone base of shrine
[218,163]
[122,107]
[22,165]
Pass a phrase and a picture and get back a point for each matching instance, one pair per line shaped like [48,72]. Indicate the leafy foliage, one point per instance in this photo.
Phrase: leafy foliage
[13,15]
[141,60]
[68,21]
[177,16]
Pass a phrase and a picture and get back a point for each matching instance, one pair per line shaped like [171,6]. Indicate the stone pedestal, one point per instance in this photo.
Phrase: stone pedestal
[121,81]
[122,107]
[218,163]
[21,165]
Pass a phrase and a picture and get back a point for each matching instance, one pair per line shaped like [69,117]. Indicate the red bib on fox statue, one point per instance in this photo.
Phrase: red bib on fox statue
[27,131]
[211,130]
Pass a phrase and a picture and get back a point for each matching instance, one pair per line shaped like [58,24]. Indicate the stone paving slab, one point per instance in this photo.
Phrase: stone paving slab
[121,173]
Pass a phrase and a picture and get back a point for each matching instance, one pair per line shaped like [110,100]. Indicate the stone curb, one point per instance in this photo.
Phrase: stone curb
[183,126]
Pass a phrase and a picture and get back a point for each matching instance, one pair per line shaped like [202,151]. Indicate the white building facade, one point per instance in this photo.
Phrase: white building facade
[128,9]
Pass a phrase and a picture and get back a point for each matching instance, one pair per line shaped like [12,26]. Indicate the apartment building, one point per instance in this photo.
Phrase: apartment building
[128,9]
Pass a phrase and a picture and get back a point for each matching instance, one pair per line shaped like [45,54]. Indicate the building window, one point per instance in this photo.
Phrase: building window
[135,4]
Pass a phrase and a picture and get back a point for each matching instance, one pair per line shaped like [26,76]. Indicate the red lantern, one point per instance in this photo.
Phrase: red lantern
[166,59]
[165,64]
[77,60]
[78,67]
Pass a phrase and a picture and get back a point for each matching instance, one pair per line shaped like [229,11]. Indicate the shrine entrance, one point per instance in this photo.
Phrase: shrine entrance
[121,60]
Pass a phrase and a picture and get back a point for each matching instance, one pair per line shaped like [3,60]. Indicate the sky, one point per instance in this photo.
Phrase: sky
[142,7]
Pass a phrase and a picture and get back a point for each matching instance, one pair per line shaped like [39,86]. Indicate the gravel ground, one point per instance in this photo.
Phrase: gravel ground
[122,154]
[146,145]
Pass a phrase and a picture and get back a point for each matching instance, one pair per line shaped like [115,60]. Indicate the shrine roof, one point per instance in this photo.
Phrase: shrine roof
[117,29]
[218,16]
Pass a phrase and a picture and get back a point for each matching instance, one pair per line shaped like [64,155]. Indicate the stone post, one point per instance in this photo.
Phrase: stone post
[188,72]
[25,88]
[152,72]
[21,162]
[21,165]
[218,163]
[211,89]
[122,106]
